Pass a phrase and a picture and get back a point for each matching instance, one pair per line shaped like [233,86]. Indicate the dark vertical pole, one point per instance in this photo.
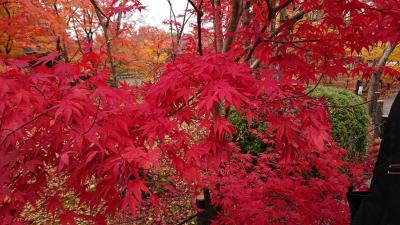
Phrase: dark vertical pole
[378,118]
[384,120]
[207,210]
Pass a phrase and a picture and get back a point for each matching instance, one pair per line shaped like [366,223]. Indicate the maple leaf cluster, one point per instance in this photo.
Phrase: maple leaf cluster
[89,130]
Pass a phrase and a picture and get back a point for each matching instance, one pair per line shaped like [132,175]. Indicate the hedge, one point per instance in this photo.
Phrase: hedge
[349,123]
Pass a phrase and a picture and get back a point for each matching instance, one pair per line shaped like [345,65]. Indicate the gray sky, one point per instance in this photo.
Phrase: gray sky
[158,10]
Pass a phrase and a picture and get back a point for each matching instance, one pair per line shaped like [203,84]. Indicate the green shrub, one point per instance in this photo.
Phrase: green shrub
[244,139]
[349,123]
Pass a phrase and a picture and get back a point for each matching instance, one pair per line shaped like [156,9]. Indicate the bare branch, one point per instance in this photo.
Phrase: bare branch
[301,41]
[2,118]
[199,16]
[273,10]
[94,120]
[77,37]
[173,14]
[184,21]
[119,20]
[292,20]
[107,39]
[282,6]
[270,9]
[179,31]
[194,6]
[97,8]
[25,124]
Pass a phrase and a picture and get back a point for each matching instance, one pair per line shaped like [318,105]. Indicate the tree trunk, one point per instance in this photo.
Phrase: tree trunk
[233,24]
[376,76]
[218,36]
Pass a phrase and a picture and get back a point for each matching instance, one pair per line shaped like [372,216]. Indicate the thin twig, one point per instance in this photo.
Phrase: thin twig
[171,13]
[292,20]
[184,21]
[301,41]
[343,106]
[355,139]
[199,16]
[24,124]
[99,14]
[188,219]
[94,120]
[15,179]
[2,118]
[315,86]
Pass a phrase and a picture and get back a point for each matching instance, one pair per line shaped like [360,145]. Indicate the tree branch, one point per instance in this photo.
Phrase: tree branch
[184,21]
[179,31]
[107,39]
[199,16]
[282,6]
[2,119]
[25,124]
[119,20]
[97,8]
[94,120]
[233,24]
[194,6]
[301,41]
[270,9]
[292,20]
[77,37]
[171,13]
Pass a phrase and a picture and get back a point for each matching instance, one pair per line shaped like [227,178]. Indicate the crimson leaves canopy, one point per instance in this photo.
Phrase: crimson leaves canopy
[108,142]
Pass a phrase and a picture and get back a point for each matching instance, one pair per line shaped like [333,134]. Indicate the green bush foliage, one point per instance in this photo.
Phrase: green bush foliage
[349,123]
[244,139]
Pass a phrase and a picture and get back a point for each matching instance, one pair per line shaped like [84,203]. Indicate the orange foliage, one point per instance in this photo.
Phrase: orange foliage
[73,29]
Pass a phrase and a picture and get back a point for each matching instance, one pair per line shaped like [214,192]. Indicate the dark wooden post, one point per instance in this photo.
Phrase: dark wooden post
[384,120]
[378,118]
[207,210]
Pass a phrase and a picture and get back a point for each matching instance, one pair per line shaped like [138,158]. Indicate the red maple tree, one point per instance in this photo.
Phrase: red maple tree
[108,142]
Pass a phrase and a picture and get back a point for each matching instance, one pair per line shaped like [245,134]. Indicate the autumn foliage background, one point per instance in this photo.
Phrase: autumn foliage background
[66,113]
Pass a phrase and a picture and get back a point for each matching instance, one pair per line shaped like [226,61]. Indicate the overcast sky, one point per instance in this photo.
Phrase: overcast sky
[158,10]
